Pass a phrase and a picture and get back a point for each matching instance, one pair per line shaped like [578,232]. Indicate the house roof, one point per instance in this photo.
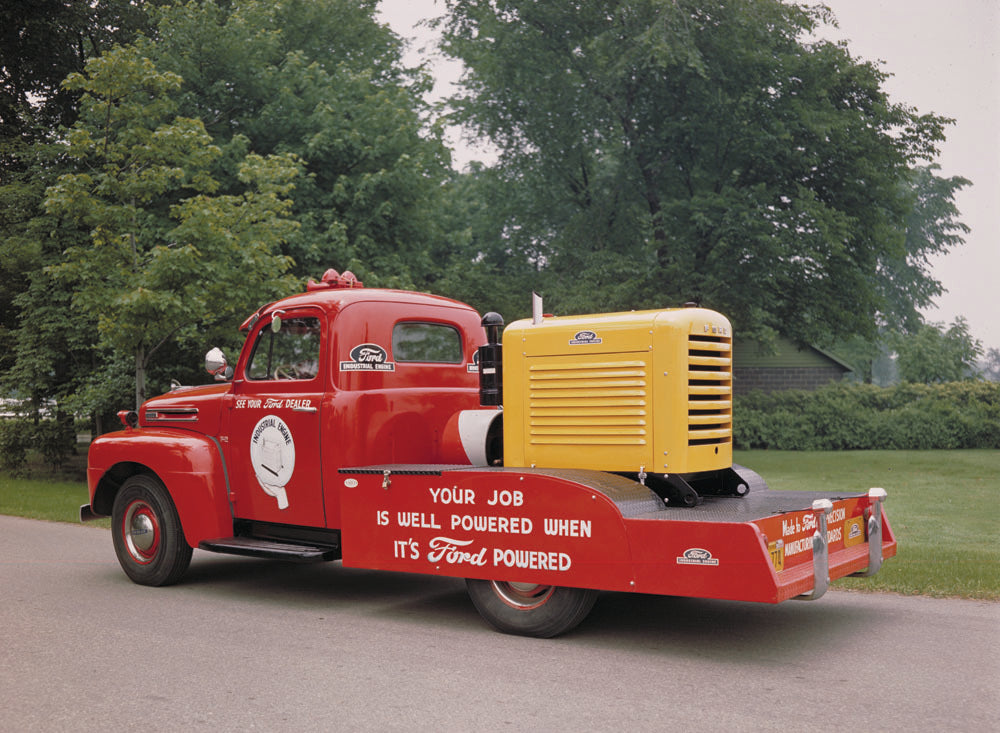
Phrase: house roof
[785,353]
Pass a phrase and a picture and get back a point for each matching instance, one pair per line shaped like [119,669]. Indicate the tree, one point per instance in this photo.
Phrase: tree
[41,42]
[991,366]
[677,150]
[935,354]
[321,79]
[317,82]
[932,228]
[158,264]
[905,280]
[478,269]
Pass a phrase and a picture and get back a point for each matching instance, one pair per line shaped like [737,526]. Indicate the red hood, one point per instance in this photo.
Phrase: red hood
[191,408]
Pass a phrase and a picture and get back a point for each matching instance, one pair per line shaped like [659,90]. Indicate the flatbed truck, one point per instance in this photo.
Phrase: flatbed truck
[398,431]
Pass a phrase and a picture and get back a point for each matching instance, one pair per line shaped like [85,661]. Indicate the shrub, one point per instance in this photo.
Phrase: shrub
[55,442]
[16,436]
[862,417]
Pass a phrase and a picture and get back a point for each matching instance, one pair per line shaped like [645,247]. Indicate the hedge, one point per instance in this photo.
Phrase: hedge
[865,417]
[54,441]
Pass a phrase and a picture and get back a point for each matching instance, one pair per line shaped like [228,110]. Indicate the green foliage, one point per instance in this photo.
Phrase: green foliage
[53,439]
[165,256]
[44,348]
[480,272]
[932,228]
[865,417]
[991,365]
[15,439]
[659,151]
[933,354]
[653,152]
[323,80]
[42,42]
[232,144]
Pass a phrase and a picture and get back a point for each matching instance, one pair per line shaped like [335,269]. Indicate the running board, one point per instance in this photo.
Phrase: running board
[254,547]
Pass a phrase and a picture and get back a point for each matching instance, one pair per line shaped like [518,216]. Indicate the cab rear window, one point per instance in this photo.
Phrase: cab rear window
[435,343]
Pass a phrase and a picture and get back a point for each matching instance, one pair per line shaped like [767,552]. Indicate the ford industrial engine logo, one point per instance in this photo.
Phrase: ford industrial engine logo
[697,556]
[584,337]
[368,358]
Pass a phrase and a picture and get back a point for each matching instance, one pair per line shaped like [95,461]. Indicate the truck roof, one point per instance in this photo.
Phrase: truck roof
[336,299]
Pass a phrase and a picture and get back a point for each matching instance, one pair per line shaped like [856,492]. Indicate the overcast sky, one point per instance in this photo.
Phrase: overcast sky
[944,57]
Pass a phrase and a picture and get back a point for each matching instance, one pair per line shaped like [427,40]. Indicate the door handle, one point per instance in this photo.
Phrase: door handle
[304,409]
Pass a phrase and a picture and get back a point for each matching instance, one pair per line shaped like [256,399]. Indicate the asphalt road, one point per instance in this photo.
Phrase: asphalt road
[247,644]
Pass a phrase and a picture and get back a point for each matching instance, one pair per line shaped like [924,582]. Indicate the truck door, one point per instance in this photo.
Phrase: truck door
[274,436]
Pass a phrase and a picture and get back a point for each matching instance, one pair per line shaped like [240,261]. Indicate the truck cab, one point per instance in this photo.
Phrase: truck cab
[337,376]
[340,377]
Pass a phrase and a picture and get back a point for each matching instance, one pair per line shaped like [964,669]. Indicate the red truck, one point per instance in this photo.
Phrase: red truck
[397,431]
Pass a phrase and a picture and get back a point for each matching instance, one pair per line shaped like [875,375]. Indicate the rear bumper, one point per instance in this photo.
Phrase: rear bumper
[847,561]
[761,548]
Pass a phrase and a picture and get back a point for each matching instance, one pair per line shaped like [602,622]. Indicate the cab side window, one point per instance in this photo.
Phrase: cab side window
[290,352]
[435,343]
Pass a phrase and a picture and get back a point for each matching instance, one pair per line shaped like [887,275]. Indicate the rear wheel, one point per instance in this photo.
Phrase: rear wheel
[147,533]
[529,609]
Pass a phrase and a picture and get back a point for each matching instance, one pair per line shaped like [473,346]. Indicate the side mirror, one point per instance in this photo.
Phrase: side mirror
[217,366]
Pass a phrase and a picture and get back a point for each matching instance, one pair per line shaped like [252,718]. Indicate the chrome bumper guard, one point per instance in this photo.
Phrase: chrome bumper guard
[821,553]
[877,496]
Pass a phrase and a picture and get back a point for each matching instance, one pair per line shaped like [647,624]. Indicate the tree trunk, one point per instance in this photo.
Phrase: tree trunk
[140,376]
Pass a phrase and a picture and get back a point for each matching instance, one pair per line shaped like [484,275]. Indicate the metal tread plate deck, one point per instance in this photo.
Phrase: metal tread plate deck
[635,501]
[753,506]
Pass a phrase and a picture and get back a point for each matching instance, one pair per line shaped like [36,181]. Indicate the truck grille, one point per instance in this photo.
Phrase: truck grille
[591,403]
[172,414]
[710,390]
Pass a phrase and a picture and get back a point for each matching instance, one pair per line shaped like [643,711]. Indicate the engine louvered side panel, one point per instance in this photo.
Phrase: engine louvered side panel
[710,390]
[596,403]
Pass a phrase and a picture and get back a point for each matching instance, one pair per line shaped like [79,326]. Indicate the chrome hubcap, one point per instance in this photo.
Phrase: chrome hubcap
[141,532]
[523,596]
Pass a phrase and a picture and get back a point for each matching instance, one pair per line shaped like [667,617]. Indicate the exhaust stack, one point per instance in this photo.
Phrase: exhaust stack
[491,363]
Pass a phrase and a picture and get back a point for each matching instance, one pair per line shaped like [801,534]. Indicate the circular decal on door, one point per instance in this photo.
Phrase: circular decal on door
[272,453]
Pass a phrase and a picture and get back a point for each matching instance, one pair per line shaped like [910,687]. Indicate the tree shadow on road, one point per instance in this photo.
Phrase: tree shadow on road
[733,631]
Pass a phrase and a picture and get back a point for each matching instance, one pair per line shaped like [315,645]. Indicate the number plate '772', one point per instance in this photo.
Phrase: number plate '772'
[777,550]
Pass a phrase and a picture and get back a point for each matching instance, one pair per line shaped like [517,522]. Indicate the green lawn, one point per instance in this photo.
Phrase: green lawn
[55,499]
[944,507]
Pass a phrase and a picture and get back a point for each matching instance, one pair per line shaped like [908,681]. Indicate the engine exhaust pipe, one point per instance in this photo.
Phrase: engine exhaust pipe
[491,363]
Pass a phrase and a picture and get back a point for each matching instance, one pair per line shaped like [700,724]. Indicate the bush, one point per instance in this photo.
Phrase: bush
[55,442]
[16,436]
[865,417]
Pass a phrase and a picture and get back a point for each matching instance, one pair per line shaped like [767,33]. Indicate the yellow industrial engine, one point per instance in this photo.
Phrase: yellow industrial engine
[645,393]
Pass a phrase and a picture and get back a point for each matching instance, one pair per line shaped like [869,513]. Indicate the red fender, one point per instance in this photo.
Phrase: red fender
[191,466]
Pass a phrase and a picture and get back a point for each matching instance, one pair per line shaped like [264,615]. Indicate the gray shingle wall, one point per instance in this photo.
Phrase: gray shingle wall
[774,379]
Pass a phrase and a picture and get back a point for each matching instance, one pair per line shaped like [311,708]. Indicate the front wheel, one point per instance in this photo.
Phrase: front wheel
[529,609]
[148,537]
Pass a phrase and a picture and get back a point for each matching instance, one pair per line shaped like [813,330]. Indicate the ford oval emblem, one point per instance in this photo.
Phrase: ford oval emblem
[369,354]
[584,337]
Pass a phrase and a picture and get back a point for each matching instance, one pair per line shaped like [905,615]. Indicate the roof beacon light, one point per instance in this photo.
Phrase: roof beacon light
[333,280]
